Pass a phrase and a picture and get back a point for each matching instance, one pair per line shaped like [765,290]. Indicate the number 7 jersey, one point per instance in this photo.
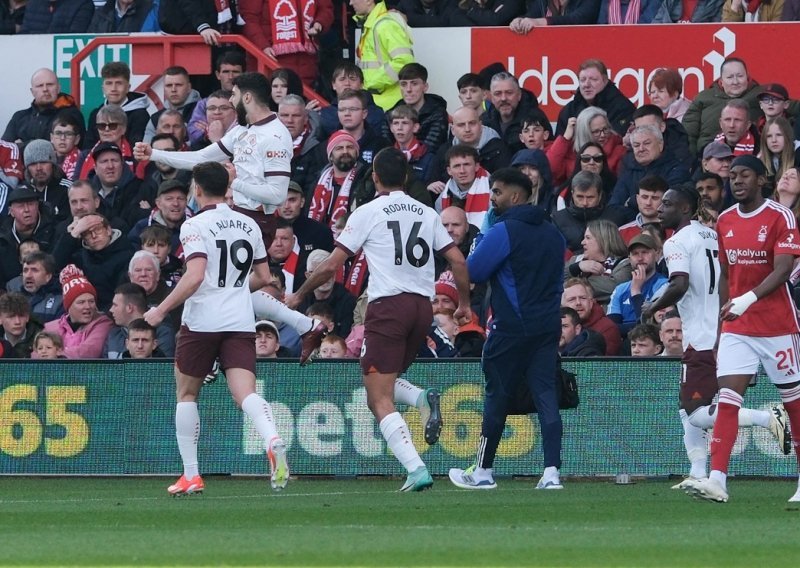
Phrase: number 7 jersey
[399,236]
[231,243]
[748,245]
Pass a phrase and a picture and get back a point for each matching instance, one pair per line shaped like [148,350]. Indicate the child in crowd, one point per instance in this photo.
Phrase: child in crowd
[472,91]
[404,124]
[48,345]
[333,347]
[645,341]
[156,239]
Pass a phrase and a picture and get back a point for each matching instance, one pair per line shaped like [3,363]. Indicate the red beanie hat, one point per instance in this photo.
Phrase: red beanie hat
[446,285]
[73,284]
[338,137]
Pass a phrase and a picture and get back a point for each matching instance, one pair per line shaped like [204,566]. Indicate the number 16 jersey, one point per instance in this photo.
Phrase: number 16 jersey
[694,252]
[231,243]
[399,236]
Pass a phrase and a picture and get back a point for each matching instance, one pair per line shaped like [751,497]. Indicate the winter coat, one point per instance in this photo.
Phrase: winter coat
[24,348]
[135,107]
[576,12]
[489,13]
[421,16]
[34,123]
[509,132]
[106,21]
[602,284]
[9,20]
[114,346]
[433,122]
[587,343]
[87,341]
[186,17]
[308,164]
[47,303]
[572,222]
[107,268]
[666,166]
[602,324]
[767,12]
[122,202]
[9,243]
[57,17]
[618,107]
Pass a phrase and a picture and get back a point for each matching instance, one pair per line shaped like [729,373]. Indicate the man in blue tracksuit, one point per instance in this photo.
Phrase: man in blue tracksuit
[522,256]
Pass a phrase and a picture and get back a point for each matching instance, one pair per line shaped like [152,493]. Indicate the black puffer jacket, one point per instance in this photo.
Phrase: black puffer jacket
[618,107]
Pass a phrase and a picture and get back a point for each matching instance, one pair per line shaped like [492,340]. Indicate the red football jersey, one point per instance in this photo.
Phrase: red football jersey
[748,244]
[10,160]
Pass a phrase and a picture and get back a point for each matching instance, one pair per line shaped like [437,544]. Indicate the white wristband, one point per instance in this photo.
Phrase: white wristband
[739,305]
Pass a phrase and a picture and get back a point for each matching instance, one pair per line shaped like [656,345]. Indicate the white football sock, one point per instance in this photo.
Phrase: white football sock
[260,413]
[750,417]
[187,431]
[719,477]
[267,307]
[696,442]
[395,432]
[703,417]
[406,393]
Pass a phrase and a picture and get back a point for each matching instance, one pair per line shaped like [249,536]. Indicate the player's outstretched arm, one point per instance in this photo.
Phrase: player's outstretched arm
[185,160]
[195,270]
[321,274]
[269,190]
[458,266]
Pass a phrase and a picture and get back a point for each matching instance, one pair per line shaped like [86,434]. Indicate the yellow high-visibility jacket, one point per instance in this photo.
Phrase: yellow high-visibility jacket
[384,48]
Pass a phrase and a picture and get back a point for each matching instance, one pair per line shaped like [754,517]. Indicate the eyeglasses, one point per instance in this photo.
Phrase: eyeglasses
[770,100]
[107,125]
[221,108]
[93,232]
[601,131]
[347,110]
[63,134]
[597,159]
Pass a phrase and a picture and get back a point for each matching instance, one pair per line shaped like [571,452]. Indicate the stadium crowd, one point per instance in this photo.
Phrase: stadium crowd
[89,235]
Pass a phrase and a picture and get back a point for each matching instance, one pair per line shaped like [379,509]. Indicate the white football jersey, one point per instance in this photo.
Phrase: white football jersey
[231,243]
[399,236]
[694,251]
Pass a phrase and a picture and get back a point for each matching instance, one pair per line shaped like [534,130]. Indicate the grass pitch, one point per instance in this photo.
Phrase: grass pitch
[366,522]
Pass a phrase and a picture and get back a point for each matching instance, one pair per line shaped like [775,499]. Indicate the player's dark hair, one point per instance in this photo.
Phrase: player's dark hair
[256,84]
[514,178]
[391,167]
[212,177]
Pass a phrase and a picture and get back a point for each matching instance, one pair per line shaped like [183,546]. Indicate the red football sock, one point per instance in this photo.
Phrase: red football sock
[726,428]
[792,408]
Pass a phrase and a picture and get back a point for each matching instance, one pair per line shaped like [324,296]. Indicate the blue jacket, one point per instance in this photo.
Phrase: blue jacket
[522,256]
[666,166]
[57,17]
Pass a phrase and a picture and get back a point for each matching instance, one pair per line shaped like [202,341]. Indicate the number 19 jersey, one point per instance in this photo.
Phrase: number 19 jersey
[694,252]
[231,243]
[399,236]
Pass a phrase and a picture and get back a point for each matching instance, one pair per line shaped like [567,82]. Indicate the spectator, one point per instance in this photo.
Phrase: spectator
[116,87]
[48,101]
[671,335]
[777,148]
[283,82]
[353,114]
[460,230]
[83,200]
[468,186]
[45,178]
[26,220]
[536,133]
[112,124]
[676,140]
[717,158]
[289,337]
[141,342]
[178,95]
[382,55]
[703,11]
[120,16]
[534,164]
[603,262]
[341,302]
[310,234]
[39,286]
[103,258]
[172,122]
[48,345]
[57,16]
[596,90]
[510,105]
[738,132]
[774,102]
[615,12]
[404,126]
[576,341]
[333,347]
[648,199]
[540,13]
[427,13]
[579,296]
[711,188]
[473,13]
[333,194]
[153,173]
[288,32]
[347,76]
[625,306]
[219,117]
[431,109]
[10,171]
[66,140]
[285,252]
[665,91]
[268,340]
[128,306]
[787,191]
[307,160]
[182,17]
[590,158]
[12,13]
[591,125]
[82,329]
[586,204]
[115,184]
[473,91]
[702,118]
[649,158]
[170,212]
[16,325]
[144,269]
[645,340]
[468,130]
[155,239]
[742,11]
[229,65]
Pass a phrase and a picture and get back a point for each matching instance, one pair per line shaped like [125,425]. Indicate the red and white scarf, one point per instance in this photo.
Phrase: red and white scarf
[297,143]
[324,208]
[745,146]
[631,16]
[290,21]
[290,265]
[477,197]
[356,274]
[415,151]
[69,163]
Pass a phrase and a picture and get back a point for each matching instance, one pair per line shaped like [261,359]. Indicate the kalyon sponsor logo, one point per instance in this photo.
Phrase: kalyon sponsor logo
[746,256]
[546,61]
